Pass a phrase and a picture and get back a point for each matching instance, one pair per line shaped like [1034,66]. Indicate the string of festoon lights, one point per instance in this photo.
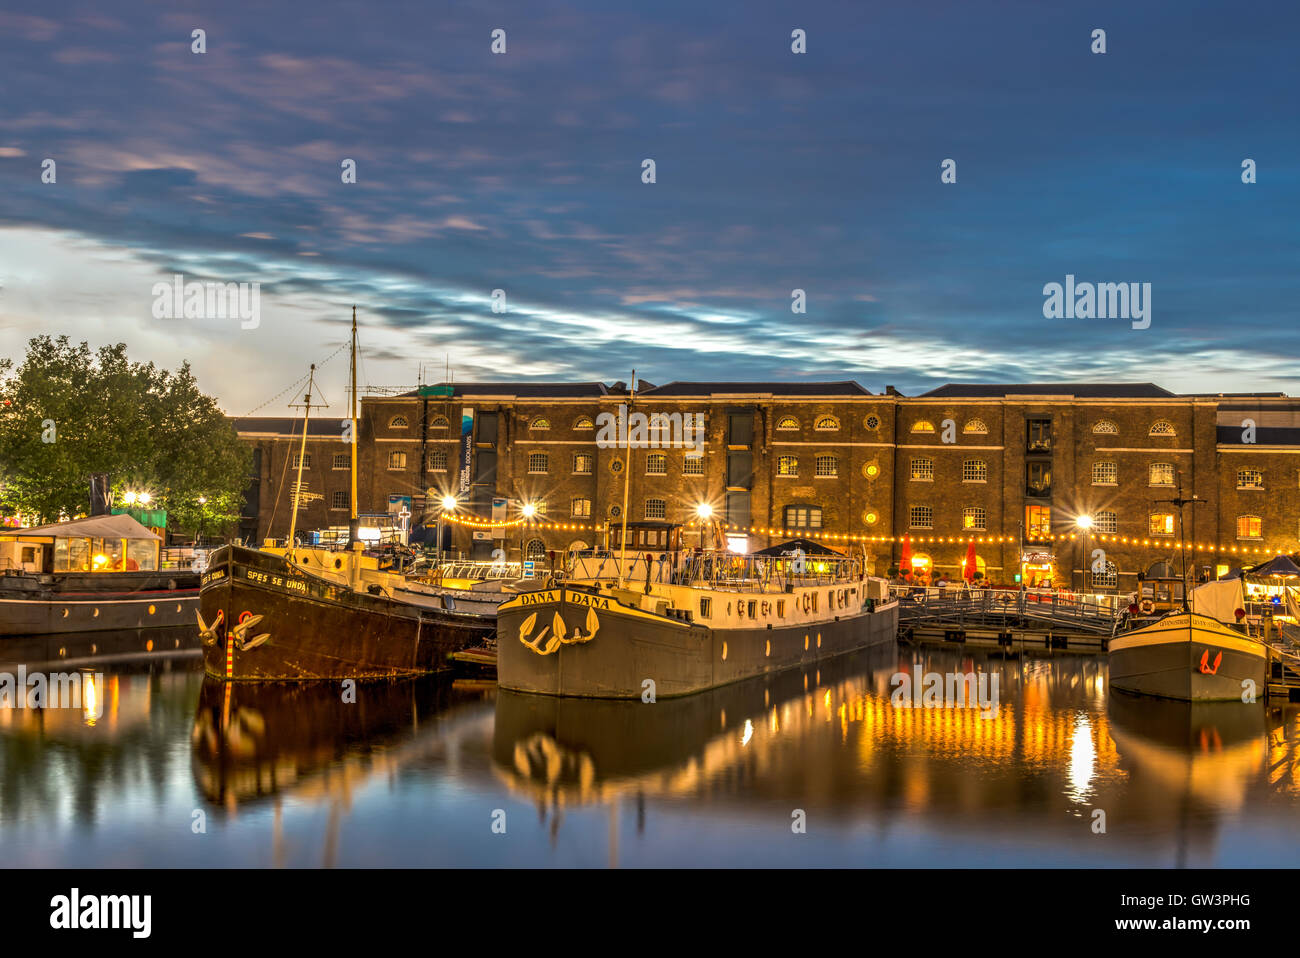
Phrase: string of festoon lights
[536,522]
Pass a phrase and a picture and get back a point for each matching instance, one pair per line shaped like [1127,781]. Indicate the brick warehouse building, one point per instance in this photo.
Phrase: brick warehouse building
[1013,466]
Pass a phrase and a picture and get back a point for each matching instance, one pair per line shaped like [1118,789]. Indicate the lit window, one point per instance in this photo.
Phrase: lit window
[1104,427]
[656,464]
[803,517]
[827,424]
[1106,521]
[656,508]
[583,422]
[582,463]
[974,470]
[922,470]
[787,466]
[1163,427]
[396,460]
[1105,474]
[538,462]
[1162,523]
[693,466]
[1162,473]
[1106,580]
[1038,522]
[870,517]
[540,423]
[398,422]
[974,517]
[789,422]
[1250,479]
[438,460]
[923,426]
[827,467]
[975,427]
[581,508]
[921,517]
[1250,527]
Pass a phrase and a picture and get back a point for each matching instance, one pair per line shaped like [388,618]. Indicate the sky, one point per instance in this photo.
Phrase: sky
[774,171]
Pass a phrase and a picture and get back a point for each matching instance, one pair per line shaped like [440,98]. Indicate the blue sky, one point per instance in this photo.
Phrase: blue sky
[775,171]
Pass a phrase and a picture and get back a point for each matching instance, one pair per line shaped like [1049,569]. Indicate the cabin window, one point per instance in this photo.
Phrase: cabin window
[71,555]
[141,555]
[28,555]
[780,608]
[706,608]
[753,607]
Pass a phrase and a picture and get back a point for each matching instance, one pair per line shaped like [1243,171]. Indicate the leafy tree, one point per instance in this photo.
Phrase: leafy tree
[68,412]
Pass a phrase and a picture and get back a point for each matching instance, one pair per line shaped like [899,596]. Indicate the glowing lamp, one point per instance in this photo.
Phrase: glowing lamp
[449,503]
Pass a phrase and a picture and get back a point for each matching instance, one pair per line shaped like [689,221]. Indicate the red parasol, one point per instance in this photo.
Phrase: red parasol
[905,563]
[968,567]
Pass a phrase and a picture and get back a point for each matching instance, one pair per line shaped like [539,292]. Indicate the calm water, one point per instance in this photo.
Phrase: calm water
[416,773]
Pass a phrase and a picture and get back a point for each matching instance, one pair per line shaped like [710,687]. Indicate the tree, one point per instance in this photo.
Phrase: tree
[68,412]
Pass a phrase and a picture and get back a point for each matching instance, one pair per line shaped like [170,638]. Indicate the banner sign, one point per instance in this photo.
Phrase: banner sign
[466,448]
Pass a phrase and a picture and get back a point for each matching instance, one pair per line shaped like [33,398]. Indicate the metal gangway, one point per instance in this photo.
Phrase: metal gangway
[960,607]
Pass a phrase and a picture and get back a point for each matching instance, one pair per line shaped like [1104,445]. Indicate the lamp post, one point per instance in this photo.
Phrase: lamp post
[448,505]
[705,512]
[1084,523]
[529,510]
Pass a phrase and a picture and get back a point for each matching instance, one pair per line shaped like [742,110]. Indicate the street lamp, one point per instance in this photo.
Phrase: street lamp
[1084,522]
[704,511]
[529,510]
[448,505]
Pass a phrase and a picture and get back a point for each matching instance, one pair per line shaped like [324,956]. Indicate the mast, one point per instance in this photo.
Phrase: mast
[627,479]
[1180,502]
[354,523]
[302,454]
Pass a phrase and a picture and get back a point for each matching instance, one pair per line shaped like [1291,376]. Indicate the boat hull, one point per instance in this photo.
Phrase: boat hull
[1191,658]
[96,602]
[611,650]
[317,629]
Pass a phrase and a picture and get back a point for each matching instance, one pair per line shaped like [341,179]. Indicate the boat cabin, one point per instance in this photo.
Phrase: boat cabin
[94,544]
[1162,586]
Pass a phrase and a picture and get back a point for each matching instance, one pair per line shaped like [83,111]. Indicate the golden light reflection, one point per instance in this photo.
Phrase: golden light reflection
[90,707]
[749,732]
[1083,759]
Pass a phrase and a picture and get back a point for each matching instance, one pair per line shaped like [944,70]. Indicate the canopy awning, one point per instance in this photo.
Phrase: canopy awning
[807,546]
[1276,566]
[92,527]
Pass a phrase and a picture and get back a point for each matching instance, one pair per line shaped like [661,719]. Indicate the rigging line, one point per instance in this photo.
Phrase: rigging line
[298,382]
[270,526]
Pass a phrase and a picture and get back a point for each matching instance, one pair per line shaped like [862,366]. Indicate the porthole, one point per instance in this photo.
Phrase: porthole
[93,648]
[805,643]
[767,650]
[152,610]
[95,614]
[65,613]
[62,651]
[819,640]
[724,651]
[148,646]
[616,466]
[872,423]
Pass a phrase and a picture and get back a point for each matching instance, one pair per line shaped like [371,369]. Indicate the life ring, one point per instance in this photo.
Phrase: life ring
[805,601]
[1146,606]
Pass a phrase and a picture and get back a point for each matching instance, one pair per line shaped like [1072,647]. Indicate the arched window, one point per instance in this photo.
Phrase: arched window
[439,422]
[827,424]
[536,550]
[788,422]
[1104,427]
[584,422]
[540,423]
[1163,427]
[974,517]
[1105,474]
[922,470]
[827,467]
[975,427]
[1105,580]
[656,508]
[398,422]
[787,466]
[974,470]
[923,426]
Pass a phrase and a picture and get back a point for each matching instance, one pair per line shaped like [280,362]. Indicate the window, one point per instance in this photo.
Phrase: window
[693,466]
[1250,527]
[584,422]
[1162,523]
[974,517]
[340,499]
[1162,474]
[827,424]
[398,422]
[922,470]
[1038,479]
[975,427]
[872,422]
[803,517]
[438,460]
[342,460]
[581,508]
[1038,435]
[788,422]
[923,426]
[787,466]
[1038,522]
[1163,427]
[536,550]
[1105,580]
[974,470]
[538,462]
[439,422]
[583,463]
[306,460]
[397,460]
[1105,474]
[921,517]
[656,508]
[540,423]
[1250,479]
[1104,427]
[828,467]
[656,464]
[1106,521]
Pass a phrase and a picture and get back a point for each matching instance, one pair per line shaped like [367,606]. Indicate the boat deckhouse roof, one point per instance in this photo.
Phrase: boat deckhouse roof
[92,527]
